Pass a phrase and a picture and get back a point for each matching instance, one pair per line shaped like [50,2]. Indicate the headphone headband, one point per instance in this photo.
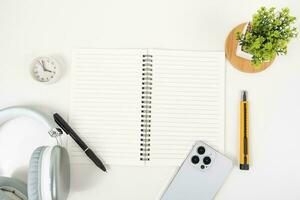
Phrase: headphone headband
[10,113]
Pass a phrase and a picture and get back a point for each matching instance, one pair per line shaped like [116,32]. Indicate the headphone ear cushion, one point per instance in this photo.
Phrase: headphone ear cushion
[34,174]
[60,166]
[4,196]
[17,189]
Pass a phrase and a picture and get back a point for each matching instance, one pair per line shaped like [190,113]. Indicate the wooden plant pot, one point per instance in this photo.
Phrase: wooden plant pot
[242,64]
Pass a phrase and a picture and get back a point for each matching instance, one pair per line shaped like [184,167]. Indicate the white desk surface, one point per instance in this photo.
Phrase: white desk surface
[53,27]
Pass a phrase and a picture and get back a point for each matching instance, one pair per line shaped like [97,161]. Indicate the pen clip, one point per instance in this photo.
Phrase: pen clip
[55,132]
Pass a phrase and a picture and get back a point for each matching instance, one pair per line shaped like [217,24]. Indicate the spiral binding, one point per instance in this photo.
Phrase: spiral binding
[146,108]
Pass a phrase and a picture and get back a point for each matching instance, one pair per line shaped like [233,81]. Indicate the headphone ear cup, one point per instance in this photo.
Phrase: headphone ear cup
[34,174]
[12,189]
[49,174]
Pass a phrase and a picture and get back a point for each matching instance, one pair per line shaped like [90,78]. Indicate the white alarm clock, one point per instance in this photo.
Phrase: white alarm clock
[45,69]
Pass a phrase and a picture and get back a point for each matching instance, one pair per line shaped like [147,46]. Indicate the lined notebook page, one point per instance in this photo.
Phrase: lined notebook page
[187,103]
[106,104]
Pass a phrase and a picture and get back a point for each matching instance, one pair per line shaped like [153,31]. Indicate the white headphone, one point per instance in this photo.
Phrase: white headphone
[9,113]
[49,168]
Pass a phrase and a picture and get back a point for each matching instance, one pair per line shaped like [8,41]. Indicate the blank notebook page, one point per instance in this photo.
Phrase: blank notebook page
[106,104]
[187,103]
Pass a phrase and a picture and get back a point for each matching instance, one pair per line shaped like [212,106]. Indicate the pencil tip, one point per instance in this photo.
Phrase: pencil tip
[244,95]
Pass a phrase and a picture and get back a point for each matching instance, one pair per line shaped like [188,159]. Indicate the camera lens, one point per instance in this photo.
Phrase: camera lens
[201,150]
[195,159]
[206,160]
[202,166]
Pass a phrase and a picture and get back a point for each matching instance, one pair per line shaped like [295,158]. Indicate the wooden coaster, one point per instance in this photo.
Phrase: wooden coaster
[239,63]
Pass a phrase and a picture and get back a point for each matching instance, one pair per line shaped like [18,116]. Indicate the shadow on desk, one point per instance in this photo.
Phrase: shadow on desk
[84,177]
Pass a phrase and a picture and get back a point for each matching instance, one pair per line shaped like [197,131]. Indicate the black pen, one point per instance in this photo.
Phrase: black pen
[68,130]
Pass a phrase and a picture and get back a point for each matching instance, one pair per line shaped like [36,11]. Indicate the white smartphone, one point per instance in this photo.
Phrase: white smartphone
[200,176]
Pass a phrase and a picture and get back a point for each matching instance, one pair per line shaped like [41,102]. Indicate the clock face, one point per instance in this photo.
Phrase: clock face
[45,69]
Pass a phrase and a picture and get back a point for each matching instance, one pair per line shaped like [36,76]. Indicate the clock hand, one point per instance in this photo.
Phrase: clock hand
[41,63]
[44,68]
[47,70]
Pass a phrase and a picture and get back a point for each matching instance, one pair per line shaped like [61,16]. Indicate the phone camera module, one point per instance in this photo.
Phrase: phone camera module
[201,150]
[206,160]
[195,160]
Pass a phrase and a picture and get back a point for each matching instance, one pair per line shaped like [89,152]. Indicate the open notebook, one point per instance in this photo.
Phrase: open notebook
[146,106]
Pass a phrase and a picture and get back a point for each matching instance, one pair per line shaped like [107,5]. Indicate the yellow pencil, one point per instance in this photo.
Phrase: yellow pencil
[244,132]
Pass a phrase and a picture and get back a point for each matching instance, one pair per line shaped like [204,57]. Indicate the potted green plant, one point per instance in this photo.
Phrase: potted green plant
[266,36]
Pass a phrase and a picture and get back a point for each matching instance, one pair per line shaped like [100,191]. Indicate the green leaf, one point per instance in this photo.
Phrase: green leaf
[269,35]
